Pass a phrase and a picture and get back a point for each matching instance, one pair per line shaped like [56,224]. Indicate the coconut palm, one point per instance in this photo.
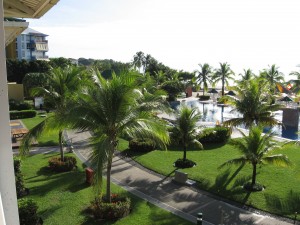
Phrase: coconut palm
[273,76]
[223,74]
[203,76]
[255,149]
[139,60]
[254,104]
[111,109]
[246,76]
[185,130]
[63,84]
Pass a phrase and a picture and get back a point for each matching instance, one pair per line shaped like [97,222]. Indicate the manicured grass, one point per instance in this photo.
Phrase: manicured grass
[282,193]
[46,139]
[63,198]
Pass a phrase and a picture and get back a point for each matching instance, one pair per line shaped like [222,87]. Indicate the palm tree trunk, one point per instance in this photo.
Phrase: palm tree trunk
[223,86]
[184,153]
[203,90]
[253,174]
[61,146]
[108,173]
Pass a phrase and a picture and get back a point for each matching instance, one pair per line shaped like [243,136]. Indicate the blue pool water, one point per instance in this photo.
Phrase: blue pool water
[211,112]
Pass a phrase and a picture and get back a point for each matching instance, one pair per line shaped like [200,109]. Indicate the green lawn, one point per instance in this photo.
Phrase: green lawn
[63,198]
[282,193]
[46,139]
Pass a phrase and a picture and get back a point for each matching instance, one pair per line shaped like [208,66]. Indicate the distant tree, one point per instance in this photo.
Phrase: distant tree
[273,76]
[255,149]
[139,60]
[32,80]
[246,76]
[85,62]
[223,74]
[108,66]
[60,62]
[204,75]
[253,102]
[173,88]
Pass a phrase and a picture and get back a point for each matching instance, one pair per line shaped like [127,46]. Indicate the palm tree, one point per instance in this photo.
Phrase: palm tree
[246,76]
[254,104]
[185,130]
[139,60]
[223,74]
[255,150]
[63,85]
[204,75]
[295,82]
[273,76]
[111,109]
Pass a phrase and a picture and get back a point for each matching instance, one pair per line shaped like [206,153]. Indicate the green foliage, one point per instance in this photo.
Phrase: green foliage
[22,114]
[224,100]
[60,62]
[19,178]
[173,88]
[16,70]
[204,97]
[223,74]
[27,212]
[214,135]
[184,163]
[119,207]
[32,80]
[141,145]
[15,105]
[57,165]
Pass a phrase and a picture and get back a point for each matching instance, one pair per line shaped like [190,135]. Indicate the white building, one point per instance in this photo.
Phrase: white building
[32,45]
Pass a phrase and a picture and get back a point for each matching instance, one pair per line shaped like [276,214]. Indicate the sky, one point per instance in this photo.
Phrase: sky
[179,33]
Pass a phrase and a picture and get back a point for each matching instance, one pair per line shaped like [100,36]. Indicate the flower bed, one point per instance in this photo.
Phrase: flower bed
[118,208]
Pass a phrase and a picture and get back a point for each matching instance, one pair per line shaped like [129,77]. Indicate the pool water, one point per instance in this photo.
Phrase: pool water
[211,112]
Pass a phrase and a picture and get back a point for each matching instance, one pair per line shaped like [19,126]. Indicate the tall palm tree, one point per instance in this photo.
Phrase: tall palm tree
[273,76]
[223,74]
[139,60]
[254,104]
[111,109]
[255,150]
[185,130]
[204,75]
[63,84]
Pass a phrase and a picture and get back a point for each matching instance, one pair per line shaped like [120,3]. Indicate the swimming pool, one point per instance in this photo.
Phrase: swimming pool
[211,112]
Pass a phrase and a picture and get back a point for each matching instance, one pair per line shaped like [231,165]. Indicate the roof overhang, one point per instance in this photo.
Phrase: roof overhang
[27,8]
[13,29]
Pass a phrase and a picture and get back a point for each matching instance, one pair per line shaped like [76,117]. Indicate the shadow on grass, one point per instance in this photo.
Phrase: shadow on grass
[213,146]
[287,205]
[47,143]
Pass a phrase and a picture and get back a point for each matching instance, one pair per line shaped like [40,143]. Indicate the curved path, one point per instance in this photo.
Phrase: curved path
[181,200]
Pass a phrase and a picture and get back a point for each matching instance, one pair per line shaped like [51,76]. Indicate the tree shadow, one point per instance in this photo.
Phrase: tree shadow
[213,146]
[287,205]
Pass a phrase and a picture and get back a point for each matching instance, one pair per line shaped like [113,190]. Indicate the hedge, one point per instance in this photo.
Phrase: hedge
[22,114]
[141,145]
[214,135]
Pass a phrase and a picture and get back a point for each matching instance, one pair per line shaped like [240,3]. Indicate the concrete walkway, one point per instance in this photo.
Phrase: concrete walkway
[181,200]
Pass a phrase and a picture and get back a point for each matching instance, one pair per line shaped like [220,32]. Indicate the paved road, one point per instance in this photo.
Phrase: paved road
[163,192]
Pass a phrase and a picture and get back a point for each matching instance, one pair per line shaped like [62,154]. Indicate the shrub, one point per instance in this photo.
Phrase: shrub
[57,165]
[223,100]
[22,114]
[141,145]
[256,187]
[180,163]
[18,106]
[204,97]
[214,135]
[20,188]
[27,212]
[118,208]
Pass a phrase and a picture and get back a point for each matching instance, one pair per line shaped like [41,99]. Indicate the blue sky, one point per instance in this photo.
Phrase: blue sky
[179,33]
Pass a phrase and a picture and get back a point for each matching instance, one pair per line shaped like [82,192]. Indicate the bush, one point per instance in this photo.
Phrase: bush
[118,208]
[27,212]
[214,135]
[204,97]
[180,163]
[256,187]
[18,106]
[57,165]
[141,145]
[22,114]
[20,188]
